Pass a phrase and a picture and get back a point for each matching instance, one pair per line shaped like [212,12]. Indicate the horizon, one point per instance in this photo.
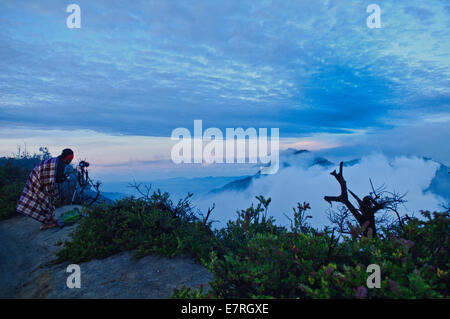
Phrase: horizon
[114,89]
[224,149]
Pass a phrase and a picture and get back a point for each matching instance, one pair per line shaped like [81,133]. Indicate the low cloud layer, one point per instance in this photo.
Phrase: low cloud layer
[298,183]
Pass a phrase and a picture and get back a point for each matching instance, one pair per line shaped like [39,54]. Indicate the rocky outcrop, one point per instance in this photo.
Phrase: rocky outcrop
[27,271]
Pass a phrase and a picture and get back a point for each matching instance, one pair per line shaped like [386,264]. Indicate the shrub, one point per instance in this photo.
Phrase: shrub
[188,293]
[12,182]
[149,225]
[288,264]
[252,257]
[14,172]
[249,223]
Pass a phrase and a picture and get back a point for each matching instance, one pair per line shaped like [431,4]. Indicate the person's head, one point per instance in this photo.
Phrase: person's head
[66,156]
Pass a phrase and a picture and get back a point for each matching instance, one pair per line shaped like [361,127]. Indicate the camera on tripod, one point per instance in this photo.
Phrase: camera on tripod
[83,164]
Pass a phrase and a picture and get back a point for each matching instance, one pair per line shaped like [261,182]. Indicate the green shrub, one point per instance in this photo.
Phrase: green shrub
[14,172]
[288,264]
[188,293]
[249,223]
[12,182]
[252,257]
[150,225]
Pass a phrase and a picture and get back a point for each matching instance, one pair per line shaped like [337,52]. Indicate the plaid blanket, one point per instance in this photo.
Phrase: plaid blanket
[40,191]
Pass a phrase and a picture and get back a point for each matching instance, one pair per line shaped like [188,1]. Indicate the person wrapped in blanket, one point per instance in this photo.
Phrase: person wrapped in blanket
[41,190]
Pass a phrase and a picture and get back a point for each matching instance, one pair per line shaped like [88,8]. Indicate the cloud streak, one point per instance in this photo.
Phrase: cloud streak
[146,67]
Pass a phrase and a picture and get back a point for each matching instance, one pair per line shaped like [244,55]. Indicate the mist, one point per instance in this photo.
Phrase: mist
[298,181]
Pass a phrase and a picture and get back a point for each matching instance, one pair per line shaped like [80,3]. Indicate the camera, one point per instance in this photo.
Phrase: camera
[83,164]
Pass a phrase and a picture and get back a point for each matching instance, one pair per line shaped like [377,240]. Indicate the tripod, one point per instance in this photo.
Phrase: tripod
[83,181]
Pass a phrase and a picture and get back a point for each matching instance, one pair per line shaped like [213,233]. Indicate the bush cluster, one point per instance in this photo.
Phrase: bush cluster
[14,172]
[12,178]
[311,264]
[152,225]
[252,257]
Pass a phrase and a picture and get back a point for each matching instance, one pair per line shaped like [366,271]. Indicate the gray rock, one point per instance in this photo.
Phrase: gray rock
[27,271]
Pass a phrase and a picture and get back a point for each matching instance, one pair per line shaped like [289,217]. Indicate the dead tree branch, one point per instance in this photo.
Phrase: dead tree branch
[377,200]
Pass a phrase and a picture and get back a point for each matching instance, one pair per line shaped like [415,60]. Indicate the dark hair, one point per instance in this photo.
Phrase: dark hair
[66,151]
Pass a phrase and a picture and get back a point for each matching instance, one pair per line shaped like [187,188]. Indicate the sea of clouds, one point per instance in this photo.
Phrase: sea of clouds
[298,181]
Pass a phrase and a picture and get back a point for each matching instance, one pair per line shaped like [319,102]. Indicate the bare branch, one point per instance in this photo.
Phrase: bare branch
[137,187]
[356,197]
[343,197]
[210,209]
[377,200]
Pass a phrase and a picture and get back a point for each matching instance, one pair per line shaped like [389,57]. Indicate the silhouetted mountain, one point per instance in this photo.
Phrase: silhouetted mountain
[322,162]
[440,184]
[238,185]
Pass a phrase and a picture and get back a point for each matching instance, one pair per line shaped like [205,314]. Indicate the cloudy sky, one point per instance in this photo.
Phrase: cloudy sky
[115,89]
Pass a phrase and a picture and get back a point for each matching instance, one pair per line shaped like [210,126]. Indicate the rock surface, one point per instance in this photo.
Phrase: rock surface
[26,269]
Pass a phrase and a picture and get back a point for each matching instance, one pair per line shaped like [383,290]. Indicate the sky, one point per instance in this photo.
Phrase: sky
[114,89]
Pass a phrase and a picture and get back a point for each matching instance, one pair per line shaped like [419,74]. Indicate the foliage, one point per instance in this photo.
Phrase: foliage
[252,257]
[14,172]
[250,222]
[310,264]
[151,225]
[188,293]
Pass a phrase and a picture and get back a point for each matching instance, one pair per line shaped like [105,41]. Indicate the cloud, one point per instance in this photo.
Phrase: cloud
[116,157]
[410,175]
[146,67]
[425,138]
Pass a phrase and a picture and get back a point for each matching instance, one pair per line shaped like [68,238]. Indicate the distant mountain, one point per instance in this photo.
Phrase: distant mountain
[202,186]
[238,184]
[440,184]
[321,161]
[114,195]
[177,187]
[289,157]
[299,151]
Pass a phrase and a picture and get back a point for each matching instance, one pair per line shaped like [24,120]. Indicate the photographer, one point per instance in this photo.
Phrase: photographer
[41,190]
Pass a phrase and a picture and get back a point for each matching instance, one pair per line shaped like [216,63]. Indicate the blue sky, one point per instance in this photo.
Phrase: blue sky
[313,69]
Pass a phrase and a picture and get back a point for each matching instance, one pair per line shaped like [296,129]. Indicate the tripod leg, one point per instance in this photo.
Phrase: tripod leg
[74,196]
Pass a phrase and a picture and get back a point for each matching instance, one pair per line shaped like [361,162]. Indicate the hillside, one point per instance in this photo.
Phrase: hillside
[27,271]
